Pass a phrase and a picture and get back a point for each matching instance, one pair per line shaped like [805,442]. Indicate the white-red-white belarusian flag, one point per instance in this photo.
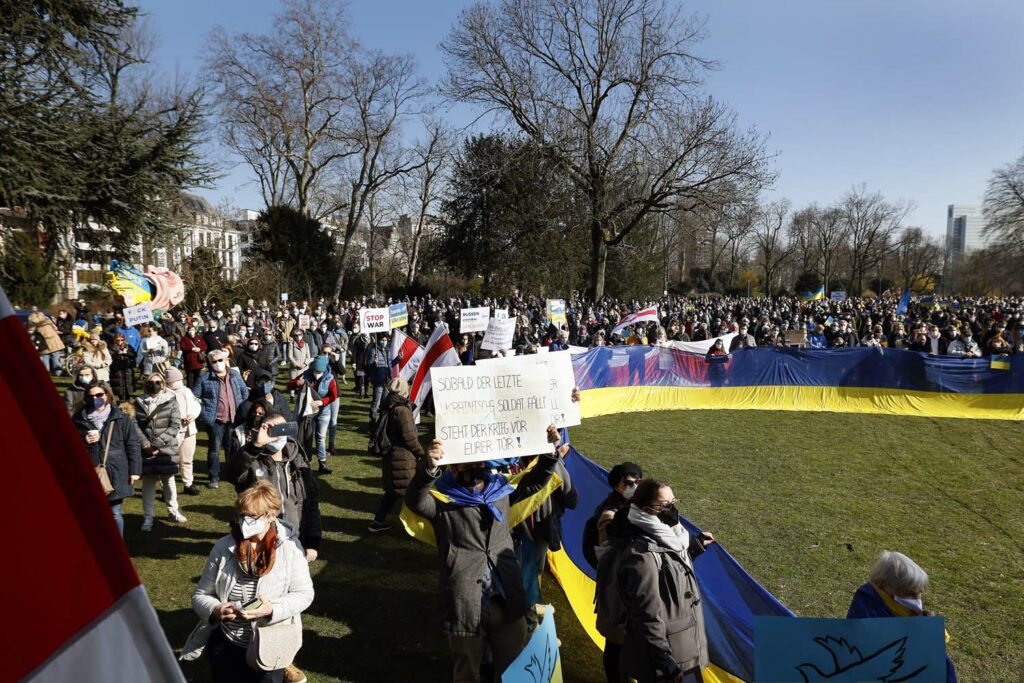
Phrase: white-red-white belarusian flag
[440,353]
[411,357]
[645,316]
[76,610]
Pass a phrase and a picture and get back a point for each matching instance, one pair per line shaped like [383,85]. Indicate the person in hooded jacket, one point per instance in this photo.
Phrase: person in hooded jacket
[248,361]
[193,351]
[269,355]
[360,345]
[107,431]
[398,461]
[122,368]
[156,413]
[189,409]
[262,389]
[647,591]
[74,395]
[282,462]
[312,410]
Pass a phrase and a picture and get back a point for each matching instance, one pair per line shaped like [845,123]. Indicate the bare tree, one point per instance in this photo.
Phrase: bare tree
[279,97]
[433,153]
[871,223]
[385,91]
[917,255]
[828,233]
[769,236]
[610,90]
[801,240]
[1004,204]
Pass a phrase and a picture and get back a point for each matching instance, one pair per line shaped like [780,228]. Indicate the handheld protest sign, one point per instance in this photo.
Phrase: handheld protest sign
[398,315]
[561,381]
[474,319]
[500,334]
[137,315]
[556,312]
[540,661]
[849,650]
[373,320]
[499,409]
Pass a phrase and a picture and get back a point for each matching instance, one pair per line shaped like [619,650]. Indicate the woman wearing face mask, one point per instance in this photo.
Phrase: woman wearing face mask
[74,395]
[255,576]
[656,597]
[153,350]
[248,362]
[193,352]
[317,390]
[122,368]
[280,461]
[156,413]
[299,357]
[895,588]
[360,343]
[189,409]
[98,356]
[110,434]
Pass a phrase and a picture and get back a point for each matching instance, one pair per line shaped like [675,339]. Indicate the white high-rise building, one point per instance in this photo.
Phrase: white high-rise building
[965,227]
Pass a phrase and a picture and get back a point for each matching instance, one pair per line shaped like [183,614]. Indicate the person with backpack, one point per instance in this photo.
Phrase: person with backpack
[397,442]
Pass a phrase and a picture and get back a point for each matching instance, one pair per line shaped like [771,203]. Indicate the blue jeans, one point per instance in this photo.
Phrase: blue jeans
[219,434]
[378,394]
[118,517]
[53,362]
[322,422]
[332,429]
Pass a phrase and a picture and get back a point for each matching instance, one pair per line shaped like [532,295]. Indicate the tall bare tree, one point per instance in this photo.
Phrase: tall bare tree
[871,224]
[279,99]
[1004,204]
[769,234]
[434,154]
[610,90]
[385,91]
[828,233]
[917,255]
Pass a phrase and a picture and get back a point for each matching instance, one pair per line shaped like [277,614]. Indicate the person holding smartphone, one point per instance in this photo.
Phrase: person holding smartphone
[255,576]
[272,454]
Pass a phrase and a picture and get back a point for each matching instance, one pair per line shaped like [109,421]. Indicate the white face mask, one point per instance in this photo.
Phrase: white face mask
[218,366]
[253,526]
[177,385]
[916,604]
[630,490]
[277,445]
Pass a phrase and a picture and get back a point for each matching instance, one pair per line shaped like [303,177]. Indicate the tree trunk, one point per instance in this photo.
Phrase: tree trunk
[340,282]
[598,260]
[415,256]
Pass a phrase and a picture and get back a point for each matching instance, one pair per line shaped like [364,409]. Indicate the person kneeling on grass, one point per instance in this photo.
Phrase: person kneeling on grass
[255,576]
[480,586]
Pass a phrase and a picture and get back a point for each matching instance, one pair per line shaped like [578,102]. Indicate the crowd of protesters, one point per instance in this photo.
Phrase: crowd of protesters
[265,382]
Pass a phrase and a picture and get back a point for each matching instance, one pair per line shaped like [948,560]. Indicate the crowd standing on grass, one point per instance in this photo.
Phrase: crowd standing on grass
[265,381]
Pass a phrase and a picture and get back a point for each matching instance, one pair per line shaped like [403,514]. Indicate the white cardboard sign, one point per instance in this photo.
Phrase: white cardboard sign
[136,315]
[474,319]
[499,335]
[499,409]
[561,382]
[373,320]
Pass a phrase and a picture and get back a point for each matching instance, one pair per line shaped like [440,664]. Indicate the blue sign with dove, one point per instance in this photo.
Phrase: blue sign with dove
[893,650]
[540,661]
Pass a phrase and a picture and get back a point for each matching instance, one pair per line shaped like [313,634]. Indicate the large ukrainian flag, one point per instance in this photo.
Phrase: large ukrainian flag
[814,296]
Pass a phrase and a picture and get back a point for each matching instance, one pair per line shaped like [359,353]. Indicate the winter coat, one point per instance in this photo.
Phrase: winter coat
[188,406]
[467,539]
[360,346]
[546,522]
[293,479]
[207,390]
[47,330]
[659,608]
[100,360]
[124,458]
[287,586]
[74,396]
[298,358]
[159,427]
[122,368]
[398,464]
[192,360]
[248,364]
[268,357]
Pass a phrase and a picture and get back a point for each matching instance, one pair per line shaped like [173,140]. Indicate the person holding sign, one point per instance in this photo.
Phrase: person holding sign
[481,592]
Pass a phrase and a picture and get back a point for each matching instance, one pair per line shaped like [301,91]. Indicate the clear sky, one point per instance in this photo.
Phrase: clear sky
[920,99]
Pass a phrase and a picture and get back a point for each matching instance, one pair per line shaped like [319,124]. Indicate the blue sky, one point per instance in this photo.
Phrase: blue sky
[920,99]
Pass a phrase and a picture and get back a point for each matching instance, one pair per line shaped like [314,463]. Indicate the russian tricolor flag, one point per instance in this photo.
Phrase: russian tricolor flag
[75,608]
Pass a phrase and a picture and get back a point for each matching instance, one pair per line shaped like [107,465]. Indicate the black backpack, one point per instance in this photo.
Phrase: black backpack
[379,443]
[591,539]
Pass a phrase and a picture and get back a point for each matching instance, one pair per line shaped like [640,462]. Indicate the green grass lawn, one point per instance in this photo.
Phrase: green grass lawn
[804,501]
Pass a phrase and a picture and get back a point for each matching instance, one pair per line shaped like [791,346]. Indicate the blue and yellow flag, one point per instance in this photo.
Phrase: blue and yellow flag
[814,296]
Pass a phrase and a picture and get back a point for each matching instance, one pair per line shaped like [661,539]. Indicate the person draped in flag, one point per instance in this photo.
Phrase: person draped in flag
[482,601]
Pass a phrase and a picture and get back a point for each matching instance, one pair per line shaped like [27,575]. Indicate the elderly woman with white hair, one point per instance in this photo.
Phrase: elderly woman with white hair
[895,588]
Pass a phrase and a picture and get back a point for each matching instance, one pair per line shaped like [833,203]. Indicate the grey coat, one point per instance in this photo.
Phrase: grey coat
[467,539]
[664,618]
[160,429]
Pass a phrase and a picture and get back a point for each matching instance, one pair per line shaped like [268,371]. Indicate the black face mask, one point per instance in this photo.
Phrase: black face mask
[669,515]
[471,477]
[153,387]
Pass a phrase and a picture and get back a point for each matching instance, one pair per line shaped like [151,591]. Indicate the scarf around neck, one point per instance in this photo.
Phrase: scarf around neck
[495,488]
[99,417]
[255,558]
[672,537]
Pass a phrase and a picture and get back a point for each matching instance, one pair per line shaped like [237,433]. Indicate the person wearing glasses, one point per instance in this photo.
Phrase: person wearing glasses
[109,435]
[648,592]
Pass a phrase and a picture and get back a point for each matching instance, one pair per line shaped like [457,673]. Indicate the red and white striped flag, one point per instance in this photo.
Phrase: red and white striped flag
[440,353]
[645,316]
[412,355]
[76,608]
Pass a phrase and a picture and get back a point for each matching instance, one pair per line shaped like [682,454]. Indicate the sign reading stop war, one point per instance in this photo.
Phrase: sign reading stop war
[375,320]
[500,409]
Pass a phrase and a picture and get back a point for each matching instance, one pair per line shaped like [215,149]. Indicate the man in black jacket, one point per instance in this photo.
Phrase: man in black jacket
[480,586]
